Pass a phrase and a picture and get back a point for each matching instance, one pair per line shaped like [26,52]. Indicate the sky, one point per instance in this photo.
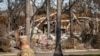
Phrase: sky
[3,5]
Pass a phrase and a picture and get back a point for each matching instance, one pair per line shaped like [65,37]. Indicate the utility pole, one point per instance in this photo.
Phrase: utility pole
[58,51]
[48,17]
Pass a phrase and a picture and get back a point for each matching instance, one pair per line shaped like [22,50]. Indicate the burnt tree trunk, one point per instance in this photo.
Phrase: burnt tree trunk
[71,19]
[9,19]
[58,51]
[28,18]
[48,17]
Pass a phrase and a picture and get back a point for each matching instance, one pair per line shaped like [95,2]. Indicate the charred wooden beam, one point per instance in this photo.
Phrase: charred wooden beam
[42,18]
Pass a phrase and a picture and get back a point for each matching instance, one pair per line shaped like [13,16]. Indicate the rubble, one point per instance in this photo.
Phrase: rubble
[4,39]
[96,42]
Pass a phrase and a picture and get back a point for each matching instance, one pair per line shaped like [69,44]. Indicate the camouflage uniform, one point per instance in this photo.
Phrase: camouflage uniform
[26,50]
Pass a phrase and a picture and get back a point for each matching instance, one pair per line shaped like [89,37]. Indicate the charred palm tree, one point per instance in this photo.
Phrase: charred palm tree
[58,51]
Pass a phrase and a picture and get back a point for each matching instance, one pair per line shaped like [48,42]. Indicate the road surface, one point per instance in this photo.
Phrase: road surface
[65,52]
